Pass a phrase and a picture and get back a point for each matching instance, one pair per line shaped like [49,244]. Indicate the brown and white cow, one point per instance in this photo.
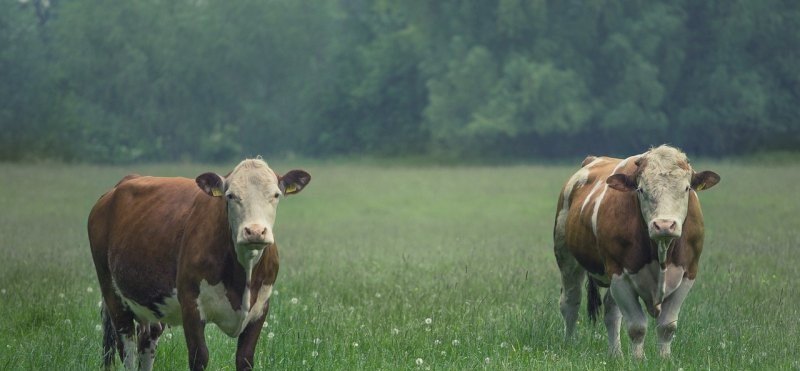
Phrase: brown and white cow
[179,251]
[636,227]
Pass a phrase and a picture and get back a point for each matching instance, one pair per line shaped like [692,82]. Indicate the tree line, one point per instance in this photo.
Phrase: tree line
[211,80]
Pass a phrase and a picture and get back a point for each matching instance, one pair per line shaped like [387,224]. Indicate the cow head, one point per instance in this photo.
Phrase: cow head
[663,180]
[252,191]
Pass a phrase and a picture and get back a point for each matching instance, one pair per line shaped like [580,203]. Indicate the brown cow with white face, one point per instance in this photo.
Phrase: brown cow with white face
[180,251]
[636,227]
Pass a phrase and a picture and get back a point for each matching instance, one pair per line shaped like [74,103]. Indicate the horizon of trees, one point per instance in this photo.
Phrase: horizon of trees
[208,80]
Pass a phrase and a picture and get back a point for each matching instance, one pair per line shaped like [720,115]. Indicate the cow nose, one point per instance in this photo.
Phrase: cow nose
[665,227]
[255,233]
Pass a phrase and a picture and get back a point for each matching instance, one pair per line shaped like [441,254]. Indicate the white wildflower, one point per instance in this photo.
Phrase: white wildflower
[61,295]
[395,331]
[89,289]
[168,335]
[275,292]
[67,321]
[378,295]
[3,291]
[428,321]
[456,342]
[270,335]
[98,327]
[317,341]
[503,345]
[487,360]
[355,344]
[437,342]
[295,300]
[314,353]
[419,361]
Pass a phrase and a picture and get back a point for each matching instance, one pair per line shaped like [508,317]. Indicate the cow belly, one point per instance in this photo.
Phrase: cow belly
[168,311]
[215,307]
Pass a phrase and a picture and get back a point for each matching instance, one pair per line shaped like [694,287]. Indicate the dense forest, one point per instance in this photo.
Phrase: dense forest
[208,80]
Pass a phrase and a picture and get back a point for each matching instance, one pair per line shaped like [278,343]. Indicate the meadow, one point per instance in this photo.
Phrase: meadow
[412,267]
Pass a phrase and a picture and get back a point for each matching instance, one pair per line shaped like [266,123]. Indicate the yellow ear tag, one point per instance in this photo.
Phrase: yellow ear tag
[216,192]
[701,186]
[291,188]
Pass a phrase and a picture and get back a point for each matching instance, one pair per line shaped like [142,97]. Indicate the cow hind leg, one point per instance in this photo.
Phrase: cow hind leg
[667,321]
[572,277]
[148,342]
[124,332]
[613,320]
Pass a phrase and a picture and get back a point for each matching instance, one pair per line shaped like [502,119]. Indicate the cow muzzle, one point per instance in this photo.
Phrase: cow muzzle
[256,236]
[664,229]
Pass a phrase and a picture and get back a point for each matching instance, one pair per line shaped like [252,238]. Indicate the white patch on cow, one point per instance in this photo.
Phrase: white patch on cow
[667,322]
[253,186]
[214,306]
[654,285]
[170,310]
[576,180]
[597,203]
[596,186]
[129,346]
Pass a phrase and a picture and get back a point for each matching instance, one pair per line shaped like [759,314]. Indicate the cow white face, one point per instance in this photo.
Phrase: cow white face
[252,191]
[663,182]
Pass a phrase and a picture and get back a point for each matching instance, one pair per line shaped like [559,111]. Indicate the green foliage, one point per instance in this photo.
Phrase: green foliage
[154,80]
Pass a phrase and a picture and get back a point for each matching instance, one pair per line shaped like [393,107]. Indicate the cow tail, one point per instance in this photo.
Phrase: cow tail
[593,301]
[109,337]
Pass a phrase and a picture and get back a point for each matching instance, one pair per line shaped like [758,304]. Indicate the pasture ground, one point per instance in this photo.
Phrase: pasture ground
[370,253]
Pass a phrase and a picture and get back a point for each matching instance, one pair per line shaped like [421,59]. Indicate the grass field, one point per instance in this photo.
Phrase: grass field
[388,267]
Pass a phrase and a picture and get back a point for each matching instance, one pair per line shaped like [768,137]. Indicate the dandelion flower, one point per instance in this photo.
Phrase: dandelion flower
[295,300]
[395,331]
[487,360]
[275,292]
[419,361]
[89,289]
[456,342]
[270,335]
[437,342]
[314,353]
[503,344]
[428,321]
[67,321]
[317,341]
[355,344]
[444,353]
[378,295]
[61,295]
[168,335]
[3,291]
[98,327]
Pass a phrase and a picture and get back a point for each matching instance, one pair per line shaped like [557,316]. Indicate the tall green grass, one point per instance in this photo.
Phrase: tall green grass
[381,267]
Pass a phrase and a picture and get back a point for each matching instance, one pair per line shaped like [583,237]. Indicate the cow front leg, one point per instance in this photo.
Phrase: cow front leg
[194,331]
[246,346]
[613,320]
[628,302]
[667,321]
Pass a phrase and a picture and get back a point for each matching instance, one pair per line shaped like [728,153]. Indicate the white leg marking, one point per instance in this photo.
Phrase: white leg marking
[667,322]
[628,302]
[129,346]
[613,320]
[147,356]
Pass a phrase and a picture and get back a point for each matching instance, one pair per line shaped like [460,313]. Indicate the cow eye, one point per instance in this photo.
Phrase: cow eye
[232,196]
[277,194]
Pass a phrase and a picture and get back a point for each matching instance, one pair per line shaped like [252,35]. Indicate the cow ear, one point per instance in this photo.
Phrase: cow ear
[704,180]
[212,184]
[621,182]
[293,181]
